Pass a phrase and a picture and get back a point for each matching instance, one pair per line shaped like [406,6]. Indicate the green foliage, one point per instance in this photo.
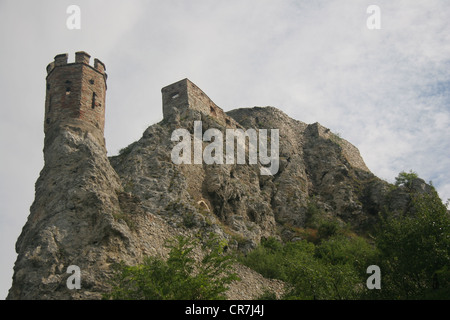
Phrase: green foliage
[325,271]
[267,295]
[178,278]
[356,251]
[411,249]
[415,250]
[313,279]
[327,229]
[316,219]
[189,220]
[405,179]
[314,216]
[264,259]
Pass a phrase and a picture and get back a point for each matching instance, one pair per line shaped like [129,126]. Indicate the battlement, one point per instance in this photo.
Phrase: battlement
[184,94]
[81,57]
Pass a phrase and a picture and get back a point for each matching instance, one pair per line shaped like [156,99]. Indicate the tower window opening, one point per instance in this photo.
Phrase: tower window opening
[176,95]
[93,100]
[67,91]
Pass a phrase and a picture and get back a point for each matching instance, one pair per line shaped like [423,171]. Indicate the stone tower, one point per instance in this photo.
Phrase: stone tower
[76,194]
[75,91]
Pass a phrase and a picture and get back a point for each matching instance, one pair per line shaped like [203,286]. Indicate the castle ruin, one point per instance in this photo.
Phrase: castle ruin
[77,91]
[184,94]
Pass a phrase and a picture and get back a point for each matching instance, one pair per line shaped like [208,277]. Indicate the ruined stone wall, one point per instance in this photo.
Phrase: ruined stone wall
[75,91]
[184,95]
[349,151]
[175,98]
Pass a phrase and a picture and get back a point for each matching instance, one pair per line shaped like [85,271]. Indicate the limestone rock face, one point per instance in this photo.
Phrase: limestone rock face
[77,219]
[92,211]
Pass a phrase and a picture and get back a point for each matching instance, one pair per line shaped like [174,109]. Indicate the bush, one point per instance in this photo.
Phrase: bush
[314,216]
[326,271]
[327,229]
[265,259]
[313,279]
[343,250]
[178,278]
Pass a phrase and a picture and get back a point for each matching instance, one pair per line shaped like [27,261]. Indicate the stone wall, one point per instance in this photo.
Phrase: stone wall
[350,152]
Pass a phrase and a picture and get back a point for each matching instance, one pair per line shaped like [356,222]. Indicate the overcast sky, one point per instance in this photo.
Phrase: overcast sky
[387,91]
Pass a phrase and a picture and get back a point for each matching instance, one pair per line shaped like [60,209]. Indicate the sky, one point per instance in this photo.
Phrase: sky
[386,90]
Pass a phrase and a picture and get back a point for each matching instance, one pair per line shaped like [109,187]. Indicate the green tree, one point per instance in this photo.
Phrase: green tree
[415,250]
[180,277]
[405,178]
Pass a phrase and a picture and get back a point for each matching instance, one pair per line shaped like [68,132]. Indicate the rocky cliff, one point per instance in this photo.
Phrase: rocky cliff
[92,211]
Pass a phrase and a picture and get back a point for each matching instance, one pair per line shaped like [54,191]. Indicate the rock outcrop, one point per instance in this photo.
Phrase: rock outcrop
[93,211]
